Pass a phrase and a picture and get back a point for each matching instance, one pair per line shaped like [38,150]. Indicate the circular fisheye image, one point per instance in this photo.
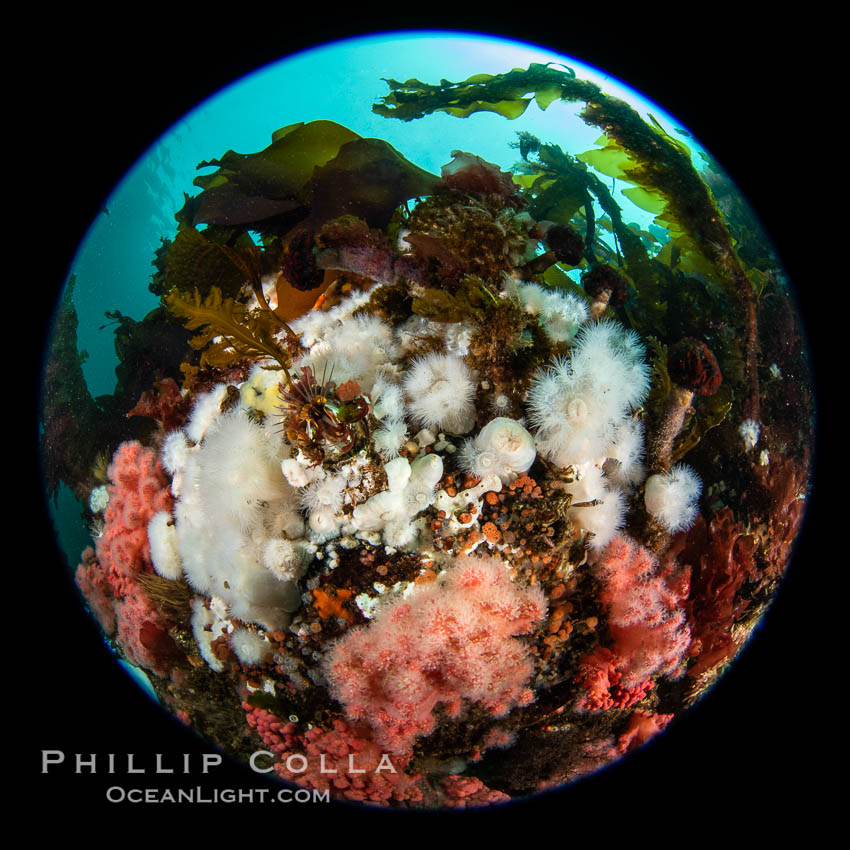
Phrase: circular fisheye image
[427,420]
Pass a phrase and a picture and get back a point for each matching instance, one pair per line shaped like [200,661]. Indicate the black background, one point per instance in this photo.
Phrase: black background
[97,93]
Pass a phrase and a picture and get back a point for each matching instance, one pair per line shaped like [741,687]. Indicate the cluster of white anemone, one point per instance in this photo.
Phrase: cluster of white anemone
[238,533]
[250,511]
[579,402]
[584,409]
[235,516]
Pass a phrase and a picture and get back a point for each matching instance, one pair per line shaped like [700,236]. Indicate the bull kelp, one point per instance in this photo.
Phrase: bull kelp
[443,486]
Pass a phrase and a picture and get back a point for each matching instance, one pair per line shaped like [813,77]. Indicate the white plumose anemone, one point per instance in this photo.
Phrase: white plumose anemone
[603,519]
[389,411]
[390,437]
[613,358]
[175,450]
[250,648]
[354,348]
[578,403]
[240,470]
[206,411]
[671,497]
[626,453]
[206,627]
[502,447]
[317,325]
[749,431]
[560,314]
[282,559]
[162,536]
[234,498]
[441,393]
[324,494]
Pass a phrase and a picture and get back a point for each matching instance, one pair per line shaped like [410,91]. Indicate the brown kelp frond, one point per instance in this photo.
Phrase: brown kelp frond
[261,187]
[244,333]
[314,171]
[193,258]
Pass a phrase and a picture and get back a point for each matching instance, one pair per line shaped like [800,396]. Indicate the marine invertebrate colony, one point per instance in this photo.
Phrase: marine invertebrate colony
[578,403]
[437,513]
[445,643]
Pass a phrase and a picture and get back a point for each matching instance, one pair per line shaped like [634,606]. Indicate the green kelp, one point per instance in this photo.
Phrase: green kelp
[563,189]
[314,172]
[260,187]
[640,152]
[504,94]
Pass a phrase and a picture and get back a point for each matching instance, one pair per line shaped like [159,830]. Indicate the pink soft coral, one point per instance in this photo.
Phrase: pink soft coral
[464,792]
[340,760]
[448,642]
[139,489]
[643,727]
[646,617]
[110,581]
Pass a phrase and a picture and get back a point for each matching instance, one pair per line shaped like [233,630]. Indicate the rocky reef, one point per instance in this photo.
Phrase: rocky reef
[446,489]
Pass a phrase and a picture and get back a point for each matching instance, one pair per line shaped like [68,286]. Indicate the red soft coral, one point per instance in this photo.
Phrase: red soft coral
[139,490]
[164,403]
[465,792]
[448,642]
[643,726]
[644,599]
[646,618]
[94,584]
[110,582]
[601,682]
[341,760]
